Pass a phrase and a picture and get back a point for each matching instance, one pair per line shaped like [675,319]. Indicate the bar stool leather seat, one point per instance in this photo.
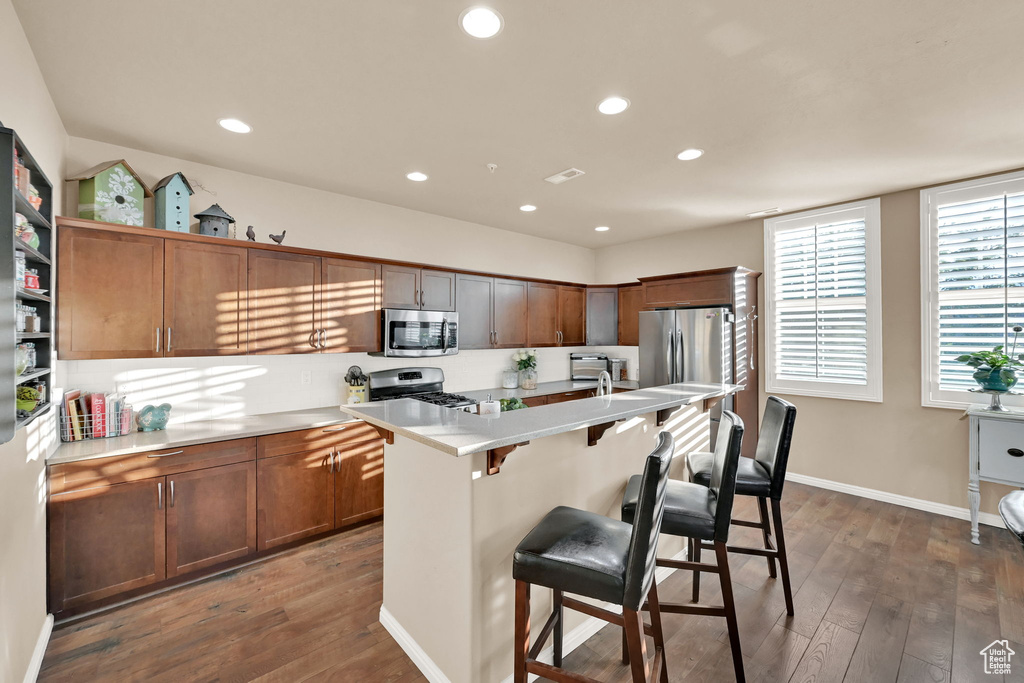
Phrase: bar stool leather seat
[752,478]
[1011,509]
[689,508]
[576,548]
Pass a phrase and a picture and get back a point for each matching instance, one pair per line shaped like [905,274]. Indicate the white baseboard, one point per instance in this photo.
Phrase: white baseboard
[897,499]
[432,672]
[36,663]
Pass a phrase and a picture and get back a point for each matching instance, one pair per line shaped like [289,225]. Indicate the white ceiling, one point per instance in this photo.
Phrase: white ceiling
[798,103]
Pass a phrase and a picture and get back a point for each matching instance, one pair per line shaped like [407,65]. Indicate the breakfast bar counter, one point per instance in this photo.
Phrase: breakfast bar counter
[452,520]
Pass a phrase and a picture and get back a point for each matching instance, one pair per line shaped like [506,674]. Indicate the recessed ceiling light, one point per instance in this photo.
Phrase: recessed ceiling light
[417,176]
[602,228]
[481,22]
[765,212]
[527,208]
[690,154]
[613,105]
[235,126]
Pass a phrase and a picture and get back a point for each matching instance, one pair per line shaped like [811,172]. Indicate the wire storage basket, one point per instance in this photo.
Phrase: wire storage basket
[77,424]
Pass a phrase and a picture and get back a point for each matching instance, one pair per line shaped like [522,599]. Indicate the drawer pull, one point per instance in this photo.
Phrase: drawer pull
[1016,452]
[164,455]
[336,429]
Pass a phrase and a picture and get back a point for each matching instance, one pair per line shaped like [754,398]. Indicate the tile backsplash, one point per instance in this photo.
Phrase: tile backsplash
[212,388]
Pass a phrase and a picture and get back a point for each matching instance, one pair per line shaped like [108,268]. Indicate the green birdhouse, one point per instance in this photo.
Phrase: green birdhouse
[171,203]
[112,192]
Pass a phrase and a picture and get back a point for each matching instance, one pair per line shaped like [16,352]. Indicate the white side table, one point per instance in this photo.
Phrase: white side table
[997,454]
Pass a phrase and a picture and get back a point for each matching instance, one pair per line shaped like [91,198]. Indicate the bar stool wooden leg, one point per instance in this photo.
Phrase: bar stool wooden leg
[625,648]
[556,607]
[634,630]
[654,607]
[522,644]
[766,533]
[780,540]
[722,554]
[695,557]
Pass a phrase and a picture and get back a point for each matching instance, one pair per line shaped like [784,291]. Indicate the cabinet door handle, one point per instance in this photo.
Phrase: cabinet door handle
[323,338]
[1016,452]
[681,303]
[164,455]
[159,496]
[331,458]
[336,429]
[168,340]
[172,493]
[312,339]
[158,340]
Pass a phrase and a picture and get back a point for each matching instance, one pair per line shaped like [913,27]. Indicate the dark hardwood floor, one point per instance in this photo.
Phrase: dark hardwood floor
[882,593]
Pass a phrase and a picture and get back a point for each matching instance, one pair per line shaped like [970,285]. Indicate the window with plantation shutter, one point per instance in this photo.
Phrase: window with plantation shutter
[972,237]
[824,311]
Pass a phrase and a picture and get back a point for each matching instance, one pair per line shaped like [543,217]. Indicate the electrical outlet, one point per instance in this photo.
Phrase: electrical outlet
[307,377]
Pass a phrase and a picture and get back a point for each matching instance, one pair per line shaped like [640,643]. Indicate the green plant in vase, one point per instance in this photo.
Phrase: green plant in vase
[526,361]
[996,370]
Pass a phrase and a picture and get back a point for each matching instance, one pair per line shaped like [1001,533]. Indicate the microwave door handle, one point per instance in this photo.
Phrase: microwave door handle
[444,335]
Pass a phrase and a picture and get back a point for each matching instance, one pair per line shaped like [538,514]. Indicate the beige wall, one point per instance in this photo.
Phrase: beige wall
[25,106]
[896,446]
[334,222]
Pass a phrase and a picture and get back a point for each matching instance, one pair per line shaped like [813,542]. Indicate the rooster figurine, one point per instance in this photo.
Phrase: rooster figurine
[279,238]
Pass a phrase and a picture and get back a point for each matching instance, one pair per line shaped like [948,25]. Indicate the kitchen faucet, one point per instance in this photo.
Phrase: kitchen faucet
[604,383]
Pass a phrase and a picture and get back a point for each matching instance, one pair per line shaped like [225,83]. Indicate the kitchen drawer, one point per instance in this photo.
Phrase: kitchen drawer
[570,395]
[998,441]
[303,440]
[534,401]
[137,466]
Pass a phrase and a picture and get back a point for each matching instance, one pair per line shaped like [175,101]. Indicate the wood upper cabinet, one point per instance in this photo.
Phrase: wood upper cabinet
[704,288]
[602,316]
[204,299]
[350,306]
[542,329]
[417,288]
[296,497]
[475,304]
[572,307]
[510,313]
[630,302]
[211,517]
[284,302]
[105,540]
[110,295]
[359,482]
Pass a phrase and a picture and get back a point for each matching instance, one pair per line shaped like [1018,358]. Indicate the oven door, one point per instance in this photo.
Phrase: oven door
[418,334]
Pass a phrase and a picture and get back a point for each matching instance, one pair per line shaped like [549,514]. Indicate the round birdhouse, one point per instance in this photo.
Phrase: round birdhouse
[214,222]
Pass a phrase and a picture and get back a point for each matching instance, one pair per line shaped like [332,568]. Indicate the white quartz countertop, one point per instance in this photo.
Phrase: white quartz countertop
[193,433]
[543,389]
[457,432]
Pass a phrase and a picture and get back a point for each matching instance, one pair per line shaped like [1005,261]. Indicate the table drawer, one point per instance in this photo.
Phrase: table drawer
[136,466]
[1001,450]
[303,440]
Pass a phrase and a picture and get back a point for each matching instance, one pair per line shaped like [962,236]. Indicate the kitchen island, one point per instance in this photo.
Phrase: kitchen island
[461,490]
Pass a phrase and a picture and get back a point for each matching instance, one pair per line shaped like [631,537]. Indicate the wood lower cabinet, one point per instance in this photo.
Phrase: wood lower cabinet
[350,306]
[296,497]
[542,329]
[211,517]
[105,540]
[630,302]
[110,295]
[359,482]
[204,299]
[284,302]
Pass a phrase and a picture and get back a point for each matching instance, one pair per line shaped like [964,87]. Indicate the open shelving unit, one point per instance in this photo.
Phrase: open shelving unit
[11,202]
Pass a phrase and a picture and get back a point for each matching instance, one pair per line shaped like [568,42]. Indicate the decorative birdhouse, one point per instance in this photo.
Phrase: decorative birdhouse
[214,221]
[112,192]
[171,204]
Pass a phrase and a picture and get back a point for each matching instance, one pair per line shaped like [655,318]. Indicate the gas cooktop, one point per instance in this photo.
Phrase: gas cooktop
[440,398]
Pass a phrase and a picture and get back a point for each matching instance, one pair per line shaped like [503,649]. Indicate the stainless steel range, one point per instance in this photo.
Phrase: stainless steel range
[422,384]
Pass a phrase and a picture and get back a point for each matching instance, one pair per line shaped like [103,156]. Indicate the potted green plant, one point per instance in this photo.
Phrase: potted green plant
[996,369]
[526,361]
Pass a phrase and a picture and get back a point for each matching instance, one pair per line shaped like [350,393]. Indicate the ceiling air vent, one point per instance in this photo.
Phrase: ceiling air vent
[565,175]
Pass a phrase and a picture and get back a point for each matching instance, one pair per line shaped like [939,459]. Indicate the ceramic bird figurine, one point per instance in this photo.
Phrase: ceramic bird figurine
[251,234]
[279,238]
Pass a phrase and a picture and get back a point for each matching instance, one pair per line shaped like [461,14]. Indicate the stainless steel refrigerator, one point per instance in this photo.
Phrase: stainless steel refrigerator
[687,345]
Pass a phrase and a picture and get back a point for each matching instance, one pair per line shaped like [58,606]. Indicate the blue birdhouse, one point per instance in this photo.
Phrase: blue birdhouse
[171,204]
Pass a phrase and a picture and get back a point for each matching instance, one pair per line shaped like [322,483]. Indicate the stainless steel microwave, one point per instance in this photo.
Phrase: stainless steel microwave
[418,334]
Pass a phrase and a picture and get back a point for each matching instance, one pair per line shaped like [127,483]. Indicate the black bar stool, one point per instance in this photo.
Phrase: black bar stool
[601,558]
[702,513]
[763,477]
[1011,509]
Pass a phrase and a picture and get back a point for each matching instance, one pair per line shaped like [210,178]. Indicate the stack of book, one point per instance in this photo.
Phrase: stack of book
[85,415]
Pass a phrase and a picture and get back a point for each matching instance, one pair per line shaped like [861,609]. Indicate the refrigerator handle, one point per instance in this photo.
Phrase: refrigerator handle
[680,371]
[671,358]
